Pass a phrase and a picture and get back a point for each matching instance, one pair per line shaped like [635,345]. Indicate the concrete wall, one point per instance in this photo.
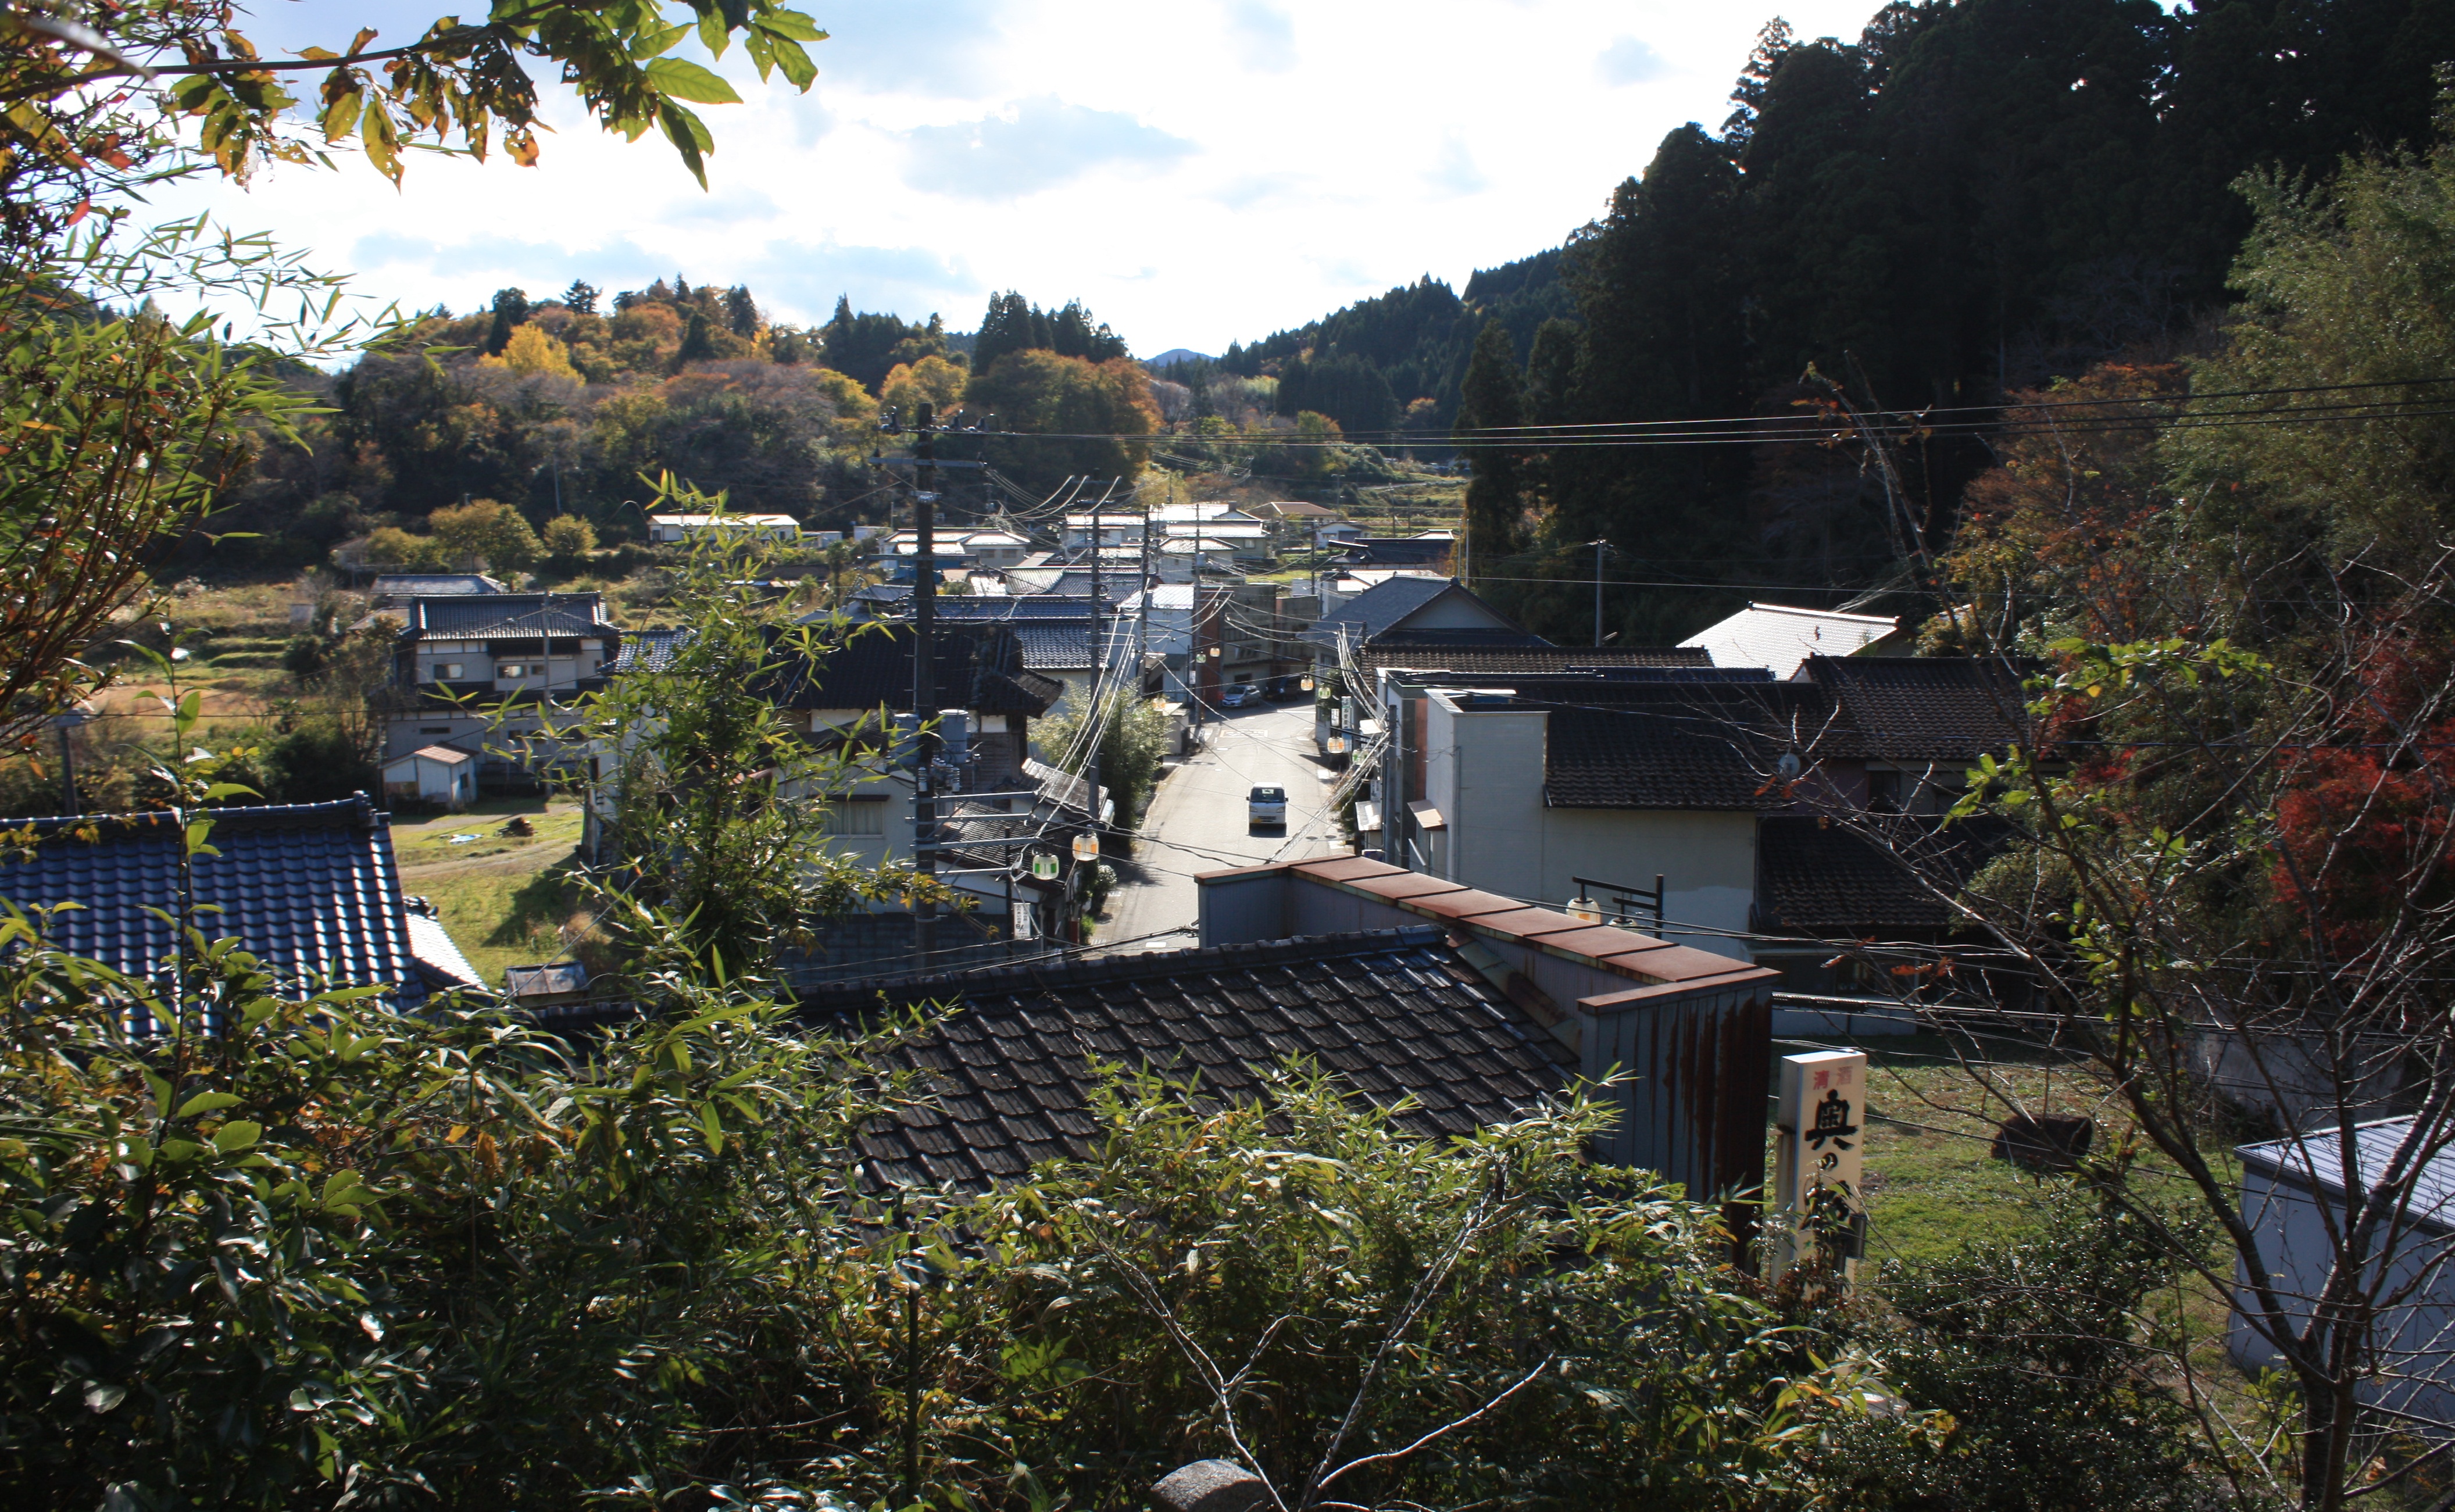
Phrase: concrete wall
[1484,771]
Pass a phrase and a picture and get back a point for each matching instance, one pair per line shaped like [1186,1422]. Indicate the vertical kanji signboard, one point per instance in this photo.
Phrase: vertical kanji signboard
[1822,1120]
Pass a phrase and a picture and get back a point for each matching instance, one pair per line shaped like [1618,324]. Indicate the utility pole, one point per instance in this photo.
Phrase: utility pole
[1142,616]
[1091,704]
[924,688]
[1599,547]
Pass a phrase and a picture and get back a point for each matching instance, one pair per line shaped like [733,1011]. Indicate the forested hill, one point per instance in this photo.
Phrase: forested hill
[1967,199]
[1394,362]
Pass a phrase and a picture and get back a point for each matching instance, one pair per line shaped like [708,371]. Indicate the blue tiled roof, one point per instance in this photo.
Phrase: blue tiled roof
[507,616]
[309,889]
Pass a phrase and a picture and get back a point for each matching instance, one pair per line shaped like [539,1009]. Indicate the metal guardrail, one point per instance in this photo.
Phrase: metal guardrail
[1649,899]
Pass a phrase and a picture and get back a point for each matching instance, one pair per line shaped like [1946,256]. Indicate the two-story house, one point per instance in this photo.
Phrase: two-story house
[481,672]
[1728,785]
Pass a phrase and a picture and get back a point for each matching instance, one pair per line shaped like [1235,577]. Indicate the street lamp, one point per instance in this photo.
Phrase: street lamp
[1086,847]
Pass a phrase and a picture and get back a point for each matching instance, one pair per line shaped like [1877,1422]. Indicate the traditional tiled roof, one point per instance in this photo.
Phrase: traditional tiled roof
[977,608]
[1057,646]
[977,667]
[647,651]
[1405,551]
[1673,744]
[507,616]
[309,889]
[1814,876]
[438,954]
[1010,1075]
[1925,708]
[395,588]
[1507,652]
[1386,606]
[1059,789]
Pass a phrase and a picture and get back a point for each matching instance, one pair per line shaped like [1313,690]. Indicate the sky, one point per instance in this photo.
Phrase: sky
[1196,173]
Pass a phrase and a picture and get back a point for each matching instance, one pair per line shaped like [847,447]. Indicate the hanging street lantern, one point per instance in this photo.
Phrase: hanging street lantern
[1086,848]
[1044,866]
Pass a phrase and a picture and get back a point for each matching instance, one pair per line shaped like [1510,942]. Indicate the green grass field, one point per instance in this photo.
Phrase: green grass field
[503,897]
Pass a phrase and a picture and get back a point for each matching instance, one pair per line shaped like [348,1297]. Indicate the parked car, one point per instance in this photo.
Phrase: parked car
[1265,806]
[1237,695]
[1286,689]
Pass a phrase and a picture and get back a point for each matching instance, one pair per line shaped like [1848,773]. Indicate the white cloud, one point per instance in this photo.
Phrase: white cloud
[1631,60]
[1032,144]
[1265,36]
[1196,174]
[1455,170]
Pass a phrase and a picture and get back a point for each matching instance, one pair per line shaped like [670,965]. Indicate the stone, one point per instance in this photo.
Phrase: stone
[1210,1486]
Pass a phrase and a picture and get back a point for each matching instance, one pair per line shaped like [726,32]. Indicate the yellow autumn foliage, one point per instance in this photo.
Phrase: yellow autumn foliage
[531,351]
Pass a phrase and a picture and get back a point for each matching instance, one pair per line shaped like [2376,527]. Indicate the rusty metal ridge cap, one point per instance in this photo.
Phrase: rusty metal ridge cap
[1695,986]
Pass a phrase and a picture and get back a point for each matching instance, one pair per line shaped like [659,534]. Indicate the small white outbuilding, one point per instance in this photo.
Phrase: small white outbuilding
[435,773]
[2293,1196]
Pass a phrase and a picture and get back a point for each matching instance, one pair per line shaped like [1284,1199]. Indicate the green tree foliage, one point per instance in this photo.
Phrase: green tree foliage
[1347,389]
[568,538]
[581,298]
[716,802]
[303,658]
[1492,403]
[867,347]
[2052,1357]
[122,428]
[699,341]
[1133,742]
[2232,822]
[1417,339]
[1013,324]
[1659,281]
[1091,414]
[741,313]
[511,311]
[414,436]
[932,379]
[142,418]
[424,1312]
[1382,1287]
[1315,452]
[485,532]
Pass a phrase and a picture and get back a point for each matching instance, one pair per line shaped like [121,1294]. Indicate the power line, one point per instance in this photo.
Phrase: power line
[1761,429]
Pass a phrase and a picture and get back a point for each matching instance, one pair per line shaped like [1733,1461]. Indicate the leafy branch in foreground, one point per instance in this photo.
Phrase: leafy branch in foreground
[72,95]
[715,802]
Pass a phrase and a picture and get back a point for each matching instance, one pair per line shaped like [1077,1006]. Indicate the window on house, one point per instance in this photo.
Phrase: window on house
[852,817]
[435,729]
[1884,791]
[520,669]
[447,672]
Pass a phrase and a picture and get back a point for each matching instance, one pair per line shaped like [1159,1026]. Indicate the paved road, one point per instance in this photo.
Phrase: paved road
[1197,823]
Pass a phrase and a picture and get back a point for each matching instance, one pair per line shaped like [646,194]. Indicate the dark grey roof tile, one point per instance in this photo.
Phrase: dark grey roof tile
[1385,1012]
